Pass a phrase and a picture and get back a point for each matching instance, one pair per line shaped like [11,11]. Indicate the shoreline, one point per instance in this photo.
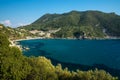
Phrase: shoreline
[14,42]
[111,38]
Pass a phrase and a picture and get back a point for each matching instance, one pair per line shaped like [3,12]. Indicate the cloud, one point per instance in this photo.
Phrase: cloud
[6,22]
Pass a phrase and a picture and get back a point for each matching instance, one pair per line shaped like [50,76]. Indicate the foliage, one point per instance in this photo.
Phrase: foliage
[12,63]
[65,74]
[42,69]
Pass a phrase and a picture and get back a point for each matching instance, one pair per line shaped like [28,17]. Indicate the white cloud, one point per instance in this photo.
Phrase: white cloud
[6,22]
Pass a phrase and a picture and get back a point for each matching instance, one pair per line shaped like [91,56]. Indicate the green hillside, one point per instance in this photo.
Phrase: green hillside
[89,24]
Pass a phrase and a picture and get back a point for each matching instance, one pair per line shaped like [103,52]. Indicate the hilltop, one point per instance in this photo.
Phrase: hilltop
[76,24]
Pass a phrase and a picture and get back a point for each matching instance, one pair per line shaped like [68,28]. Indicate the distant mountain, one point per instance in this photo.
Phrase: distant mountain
[90,24]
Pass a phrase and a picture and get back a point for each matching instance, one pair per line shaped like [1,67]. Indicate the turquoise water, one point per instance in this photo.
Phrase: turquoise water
[86,52]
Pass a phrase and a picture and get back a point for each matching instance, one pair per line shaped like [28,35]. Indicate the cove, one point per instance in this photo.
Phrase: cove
[85,52]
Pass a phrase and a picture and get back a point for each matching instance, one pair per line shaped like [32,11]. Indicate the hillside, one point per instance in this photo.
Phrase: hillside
[86,24]
[15,33]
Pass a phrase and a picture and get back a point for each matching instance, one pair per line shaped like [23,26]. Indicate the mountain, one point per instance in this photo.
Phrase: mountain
[88,24]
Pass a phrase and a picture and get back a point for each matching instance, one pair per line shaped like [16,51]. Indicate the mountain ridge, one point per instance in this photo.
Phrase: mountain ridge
[92,23]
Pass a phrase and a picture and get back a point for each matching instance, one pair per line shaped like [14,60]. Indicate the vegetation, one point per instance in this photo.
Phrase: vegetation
[15,66]
[93,24]
[14,33]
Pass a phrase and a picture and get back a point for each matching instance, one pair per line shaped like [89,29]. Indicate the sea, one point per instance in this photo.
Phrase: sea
[84,54]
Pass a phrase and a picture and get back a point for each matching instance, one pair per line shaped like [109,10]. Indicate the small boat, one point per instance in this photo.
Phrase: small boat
[26,48]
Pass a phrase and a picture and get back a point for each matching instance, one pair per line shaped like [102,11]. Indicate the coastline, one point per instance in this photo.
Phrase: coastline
[110,38]
[14,42]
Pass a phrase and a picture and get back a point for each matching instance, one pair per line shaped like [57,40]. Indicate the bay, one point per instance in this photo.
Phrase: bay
[85,52]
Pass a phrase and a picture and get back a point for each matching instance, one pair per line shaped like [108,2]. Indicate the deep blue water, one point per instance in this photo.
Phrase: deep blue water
[86,52]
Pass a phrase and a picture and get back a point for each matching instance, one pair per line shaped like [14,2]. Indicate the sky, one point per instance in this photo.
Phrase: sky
[16,13]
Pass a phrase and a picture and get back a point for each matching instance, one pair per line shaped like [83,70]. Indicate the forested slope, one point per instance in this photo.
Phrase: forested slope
[93,24]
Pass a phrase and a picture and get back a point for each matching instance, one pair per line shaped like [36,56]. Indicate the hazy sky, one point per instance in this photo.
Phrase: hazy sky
[21,12]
